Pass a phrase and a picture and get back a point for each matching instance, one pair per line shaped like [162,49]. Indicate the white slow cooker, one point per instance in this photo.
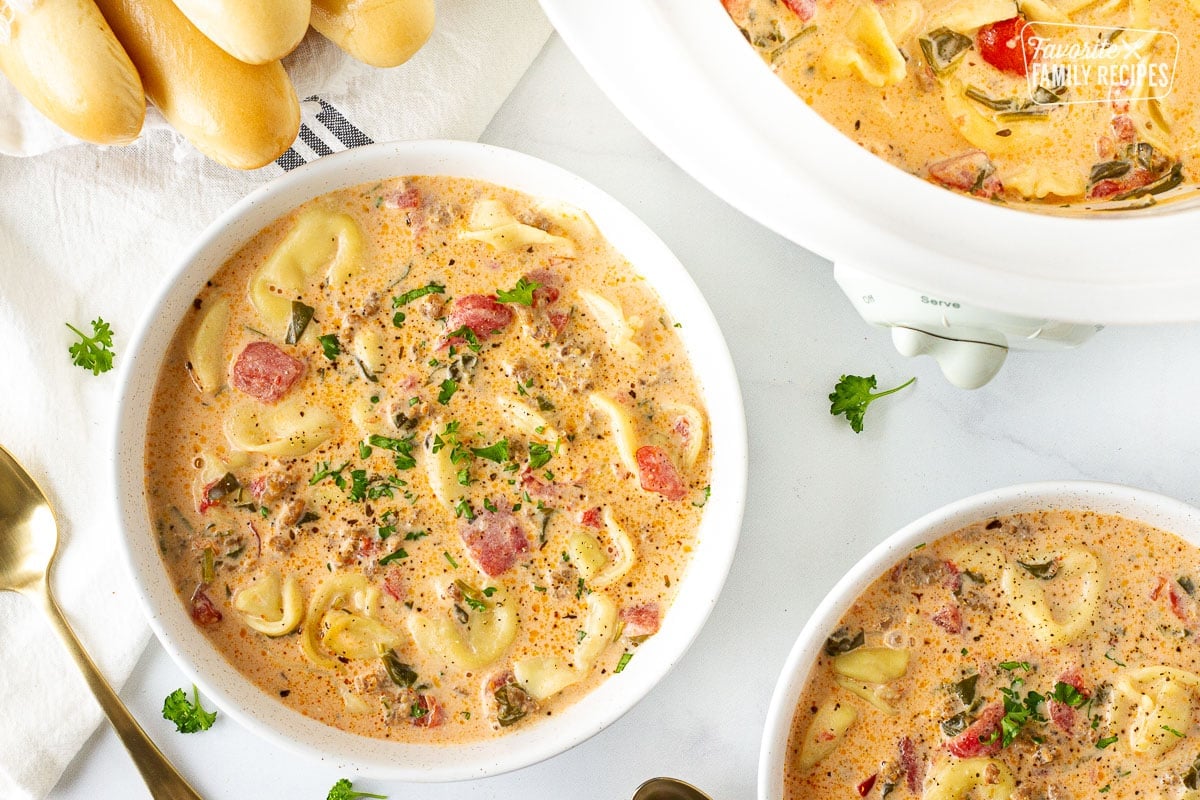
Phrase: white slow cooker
[958,279]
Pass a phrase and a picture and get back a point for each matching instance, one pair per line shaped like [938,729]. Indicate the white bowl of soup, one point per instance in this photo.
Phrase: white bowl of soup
[1020,643]
[430,460]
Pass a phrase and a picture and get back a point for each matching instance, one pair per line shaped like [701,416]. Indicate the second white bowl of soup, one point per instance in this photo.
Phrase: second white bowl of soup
[1021,643]
[431,461]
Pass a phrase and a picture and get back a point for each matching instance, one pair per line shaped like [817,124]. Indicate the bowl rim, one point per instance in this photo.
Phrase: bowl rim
[703,578]
[1158,510]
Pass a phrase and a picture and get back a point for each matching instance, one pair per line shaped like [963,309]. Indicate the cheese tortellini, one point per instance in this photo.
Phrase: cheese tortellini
[983,778]
[490,628]
[492,223]
[1154,706]
[320,239]
[291,428]
[870,51]
[544,676]
[1028,595]
[270,606]
[206,355]
[825,732]
[619,328]
[624,433]
[340,621]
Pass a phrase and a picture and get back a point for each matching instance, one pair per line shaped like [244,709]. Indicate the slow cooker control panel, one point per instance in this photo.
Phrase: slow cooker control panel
[969,342]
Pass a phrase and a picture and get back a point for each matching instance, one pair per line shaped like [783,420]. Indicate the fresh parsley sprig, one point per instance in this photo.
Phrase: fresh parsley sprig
[852,395]
[521,293]
[344,790]
[93,352]
[189,717]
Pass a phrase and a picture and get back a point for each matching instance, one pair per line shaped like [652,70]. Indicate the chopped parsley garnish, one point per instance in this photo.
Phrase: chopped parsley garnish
[1067,694]
[521,293]
[1171,731]
[469,335]
[93,352]
[416,711]
[323,472]
[401,447]
[398,318]
[852,395]
[330,345]
[385,531]
[623,662]
[394,556]
[450,559]
[1111,655]
[1105,742]
[344,790]
[414,294]
[539,455]
[707,495]
[364,450]
[189,717]
[1011,665]
[358,484]
[449,387]
[497,452]
[463,509]
[413,536]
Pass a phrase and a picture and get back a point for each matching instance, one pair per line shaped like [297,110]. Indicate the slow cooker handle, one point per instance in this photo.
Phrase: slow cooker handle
[969,343]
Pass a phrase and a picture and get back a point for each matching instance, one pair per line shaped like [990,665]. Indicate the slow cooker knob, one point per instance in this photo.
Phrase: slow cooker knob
[966,364]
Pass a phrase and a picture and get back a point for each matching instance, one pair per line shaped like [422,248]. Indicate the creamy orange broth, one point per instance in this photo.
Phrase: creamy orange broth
[436,515]
[963,122]
[1106,683]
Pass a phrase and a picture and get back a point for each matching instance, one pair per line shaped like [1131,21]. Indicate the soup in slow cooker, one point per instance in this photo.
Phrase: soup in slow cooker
[426,459]
[1039,102]
[1040,656]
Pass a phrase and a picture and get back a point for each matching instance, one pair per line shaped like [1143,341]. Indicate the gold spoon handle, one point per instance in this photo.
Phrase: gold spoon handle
[164,782]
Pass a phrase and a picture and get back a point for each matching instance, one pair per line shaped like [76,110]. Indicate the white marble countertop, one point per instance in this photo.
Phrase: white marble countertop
[1119,409]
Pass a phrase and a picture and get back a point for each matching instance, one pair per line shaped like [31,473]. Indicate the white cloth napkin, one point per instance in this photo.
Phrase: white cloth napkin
[88,232]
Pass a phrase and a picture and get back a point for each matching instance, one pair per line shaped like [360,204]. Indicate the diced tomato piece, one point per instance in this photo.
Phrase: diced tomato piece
[265,372]
[204,611]
[1007,45]
[949,619]
[804,9]
[393,583]
[1124,129]
[480,314]
[658,473]
[592,518]
[1158,587]
[640,620]
[866,786]
[495,540]
[910,765]
[1182,606]
[549,286]
[738,9]
[1135,178]
[982,737]
[426,712]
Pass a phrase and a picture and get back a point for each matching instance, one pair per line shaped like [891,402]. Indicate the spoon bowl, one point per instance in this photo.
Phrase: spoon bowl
[668,789]
[28,543]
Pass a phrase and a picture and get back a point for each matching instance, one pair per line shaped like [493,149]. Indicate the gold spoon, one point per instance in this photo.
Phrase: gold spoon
[668,789]
[28,542]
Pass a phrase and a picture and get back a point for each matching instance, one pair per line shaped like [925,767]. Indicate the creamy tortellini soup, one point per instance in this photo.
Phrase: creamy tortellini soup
[1041,656]
[427,459]
[1078,103]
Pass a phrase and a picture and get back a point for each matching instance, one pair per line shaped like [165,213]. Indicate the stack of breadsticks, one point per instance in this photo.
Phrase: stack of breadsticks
[212,67]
